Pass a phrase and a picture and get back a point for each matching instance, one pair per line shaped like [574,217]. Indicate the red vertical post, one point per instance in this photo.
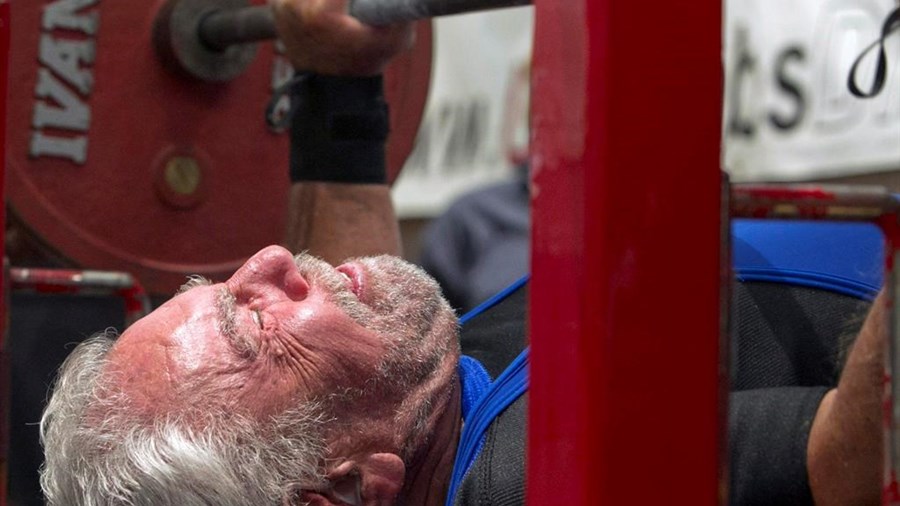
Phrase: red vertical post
[625,400]
[4,357]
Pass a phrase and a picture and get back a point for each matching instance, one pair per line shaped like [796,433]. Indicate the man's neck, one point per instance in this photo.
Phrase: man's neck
[428,482]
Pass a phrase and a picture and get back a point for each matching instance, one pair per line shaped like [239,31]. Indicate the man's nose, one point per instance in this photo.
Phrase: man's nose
[269,276]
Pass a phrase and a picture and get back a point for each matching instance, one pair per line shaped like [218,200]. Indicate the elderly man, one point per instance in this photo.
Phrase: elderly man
[295,382]
[291,381]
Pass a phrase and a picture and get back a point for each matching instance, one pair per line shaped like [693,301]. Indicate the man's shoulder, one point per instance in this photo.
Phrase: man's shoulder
[496,335]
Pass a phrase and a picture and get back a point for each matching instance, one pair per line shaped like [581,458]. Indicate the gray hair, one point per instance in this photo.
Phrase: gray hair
[100,452]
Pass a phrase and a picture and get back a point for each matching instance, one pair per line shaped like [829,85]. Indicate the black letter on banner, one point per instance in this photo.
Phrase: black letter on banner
[891,24]
[791,88]
[737,125]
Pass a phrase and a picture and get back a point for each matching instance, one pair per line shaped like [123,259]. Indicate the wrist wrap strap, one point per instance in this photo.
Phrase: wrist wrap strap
[338,129]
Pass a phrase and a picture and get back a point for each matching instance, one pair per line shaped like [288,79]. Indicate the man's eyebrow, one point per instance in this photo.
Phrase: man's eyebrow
[225,305]
[225,310]
[193,282]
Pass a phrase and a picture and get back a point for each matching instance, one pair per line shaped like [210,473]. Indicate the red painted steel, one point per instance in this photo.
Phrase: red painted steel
[625,403]
[4,357]
[812,202]
[890,493]
[56,281]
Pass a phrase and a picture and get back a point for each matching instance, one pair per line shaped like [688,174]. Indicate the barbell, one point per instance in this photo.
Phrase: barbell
[212,39]
[149,153]
[225,27]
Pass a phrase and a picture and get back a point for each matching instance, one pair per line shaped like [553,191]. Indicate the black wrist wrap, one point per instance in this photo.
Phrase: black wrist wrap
[338,130]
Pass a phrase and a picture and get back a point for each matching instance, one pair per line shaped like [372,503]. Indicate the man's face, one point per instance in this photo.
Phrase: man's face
[279,332]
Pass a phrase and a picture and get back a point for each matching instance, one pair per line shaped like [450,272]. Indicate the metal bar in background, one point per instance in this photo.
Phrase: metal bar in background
[809,201]
[226,27]
[118,284]
[4,300]
[626,404]
[890,493]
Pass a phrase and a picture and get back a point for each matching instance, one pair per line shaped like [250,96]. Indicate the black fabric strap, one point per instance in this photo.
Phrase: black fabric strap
[339,126]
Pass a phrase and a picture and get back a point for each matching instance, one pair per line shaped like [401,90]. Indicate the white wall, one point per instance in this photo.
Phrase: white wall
[461,143]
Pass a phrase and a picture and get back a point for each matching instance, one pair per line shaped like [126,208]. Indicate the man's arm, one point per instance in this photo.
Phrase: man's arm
[339,218]
[844,455]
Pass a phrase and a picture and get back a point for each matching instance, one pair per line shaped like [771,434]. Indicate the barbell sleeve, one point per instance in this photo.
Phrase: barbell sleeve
[226,27]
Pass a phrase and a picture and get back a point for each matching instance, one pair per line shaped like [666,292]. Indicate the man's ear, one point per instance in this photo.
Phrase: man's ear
[382,477]
[374,480]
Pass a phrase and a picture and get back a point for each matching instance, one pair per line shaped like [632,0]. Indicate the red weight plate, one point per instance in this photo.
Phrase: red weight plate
[118,163]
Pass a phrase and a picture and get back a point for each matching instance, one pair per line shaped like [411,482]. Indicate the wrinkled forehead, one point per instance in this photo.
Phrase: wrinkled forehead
[169,323]
[163,350]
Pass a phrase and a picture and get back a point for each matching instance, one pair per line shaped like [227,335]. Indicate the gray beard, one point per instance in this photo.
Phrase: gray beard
[403,299]
[404,305]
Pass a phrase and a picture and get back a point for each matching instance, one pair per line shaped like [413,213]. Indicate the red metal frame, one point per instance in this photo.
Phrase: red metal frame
[4,369]
[625,397]
[76,282]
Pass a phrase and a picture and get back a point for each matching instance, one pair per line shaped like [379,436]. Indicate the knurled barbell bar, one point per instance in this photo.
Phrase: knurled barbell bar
[226,27]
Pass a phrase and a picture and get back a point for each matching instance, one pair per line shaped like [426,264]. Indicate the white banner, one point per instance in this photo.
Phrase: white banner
[465,136]
[788,113]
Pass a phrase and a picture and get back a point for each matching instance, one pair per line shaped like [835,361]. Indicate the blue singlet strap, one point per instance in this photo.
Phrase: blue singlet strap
[493,301]
[511,384]
[474,382]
